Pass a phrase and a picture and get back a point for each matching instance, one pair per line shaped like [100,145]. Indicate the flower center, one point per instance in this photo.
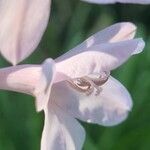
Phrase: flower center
[89,84]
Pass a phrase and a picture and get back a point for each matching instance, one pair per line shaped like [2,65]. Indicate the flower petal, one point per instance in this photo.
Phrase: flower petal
[21,78]
[115,33]
[35,80]
[108,108]
[103,57]
[43,87]
[61,131]
[22,25]
[119,1]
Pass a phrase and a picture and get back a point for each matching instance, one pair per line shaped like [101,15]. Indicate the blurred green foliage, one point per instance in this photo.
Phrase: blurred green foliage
[71,22]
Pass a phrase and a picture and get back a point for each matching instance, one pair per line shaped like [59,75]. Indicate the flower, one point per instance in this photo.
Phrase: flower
[78,85]
[22,25]
[118,1]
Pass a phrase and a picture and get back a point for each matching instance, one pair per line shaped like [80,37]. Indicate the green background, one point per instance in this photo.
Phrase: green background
[72,22]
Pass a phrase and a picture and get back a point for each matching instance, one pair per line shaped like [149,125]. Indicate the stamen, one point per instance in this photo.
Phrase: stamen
[90,84]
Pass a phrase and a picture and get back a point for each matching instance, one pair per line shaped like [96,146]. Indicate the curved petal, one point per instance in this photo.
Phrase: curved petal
[103,57]
[43,87]
[22,25]
[119,1]
[61,132]
[115,33]
[35,80]
[108,108]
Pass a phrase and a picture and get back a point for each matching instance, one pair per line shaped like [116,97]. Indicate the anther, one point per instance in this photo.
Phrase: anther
[90,84]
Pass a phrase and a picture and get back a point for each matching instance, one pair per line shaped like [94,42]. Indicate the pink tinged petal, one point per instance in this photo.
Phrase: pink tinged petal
[21,78]
[119,1]
[140,48]
[22,25]
[103,57]
[35,80]
[115,33]
[43,86]
[61,132]
[110,107]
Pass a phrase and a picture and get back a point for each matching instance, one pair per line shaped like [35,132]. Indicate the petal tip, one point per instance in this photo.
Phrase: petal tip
[140,46]
[131,25]
[9,58]
[14,63]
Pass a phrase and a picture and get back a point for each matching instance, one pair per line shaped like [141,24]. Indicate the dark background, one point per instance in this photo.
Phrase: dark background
[71,22]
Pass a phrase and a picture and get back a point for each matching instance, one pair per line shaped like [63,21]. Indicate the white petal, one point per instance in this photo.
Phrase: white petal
[61,132]
[120,1]
[103,57]
[22,25]
[108,108]
[35,80]
[43,86]
[21,78]
[115,33]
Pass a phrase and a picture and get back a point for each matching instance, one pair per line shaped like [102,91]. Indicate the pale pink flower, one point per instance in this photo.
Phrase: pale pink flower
[118,1]
[78,85]
[22,23]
